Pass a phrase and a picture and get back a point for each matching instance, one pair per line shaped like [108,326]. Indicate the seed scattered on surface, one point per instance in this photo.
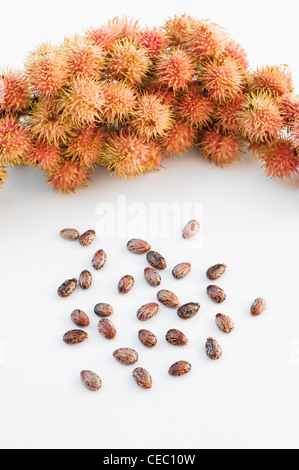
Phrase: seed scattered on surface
[152,277]
[87,237]
[147,311]
[103,310]
[258,306]
[125,284]
[216,294]
[85,279]
[213,349]
[190,229]
[168,298]
[188,310]
[99,259]
[74,336]
[224,323]
[79,317]
[69,234]
[142,378]
[176,337]
[179,368]
[181,270]
[136,245]
[90,380]
[106,328]
[126,355]
[67,287]
[216,271]
[156,260]
[147,338]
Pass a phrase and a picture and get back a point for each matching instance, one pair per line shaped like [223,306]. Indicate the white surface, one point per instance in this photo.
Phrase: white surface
[249,398]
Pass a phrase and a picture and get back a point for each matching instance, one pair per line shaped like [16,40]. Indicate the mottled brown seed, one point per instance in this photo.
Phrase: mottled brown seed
[125,284]
[190,229]
[216,271]
[142,378]
[156,260]
[99,259]
[176,337]
[216,294]
[224,323]
[188,310]
[103,310]
[258,306]
[74,336]
[152,277]
[179,368]
[147,311]
[126,356]
[213,349]
[106,328]
[91,380]
[80,318]
[136,245]
[87,237]
[85,279]
[67,287]
[147,338]
[168,298]
[69,234]
[181,270]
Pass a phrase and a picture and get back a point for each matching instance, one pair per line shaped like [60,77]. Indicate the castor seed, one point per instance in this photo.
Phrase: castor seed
[103,310]
[224,323]
[99,259]
[147,338]
[125,284]
[75,336]
[168,298]
[190,229]
[126,356]
[142,378]
[181,270]
[156,260]
[67,287]
[136,245]
[179,368]
[188,310]
[87,237]
[213,349]
[147,311]
[106,328]
[90,380]
[69,234]
[85,279]
[176,337]
[152,277]
[258,306]
[79,317]
[216,271]
[216,294]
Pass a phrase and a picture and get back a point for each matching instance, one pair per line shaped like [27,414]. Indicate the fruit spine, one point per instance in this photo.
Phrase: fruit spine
[124,97]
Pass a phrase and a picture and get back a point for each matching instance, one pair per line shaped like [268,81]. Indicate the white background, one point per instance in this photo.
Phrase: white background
[249,398]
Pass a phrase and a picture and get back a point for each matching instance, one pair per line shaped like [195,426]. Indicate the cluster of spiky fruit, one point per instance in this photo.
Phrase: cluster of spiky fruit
[125,97]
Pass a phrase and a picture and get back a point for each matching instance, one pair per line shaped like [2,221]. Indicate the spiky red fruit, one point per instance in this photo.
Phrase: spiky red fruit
[125,27]
[154,40]
[3,175]
[45,122]
[289,108]
[194,107]
[295,134]
[179,139]
[120,102]
[45,68]
[86,145]
[178,28]
[205,40]
[125,155]
[151,117]
[14,141]
[69,176]
[223,80]
[275,80]
[280,159]
[154,157]
[128,61]
[82,101]
[259,118]
[234,50]
[83,57]
[15,91]
[221,149]
[44,155]
[175,70]
[103,36]
[227,115]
